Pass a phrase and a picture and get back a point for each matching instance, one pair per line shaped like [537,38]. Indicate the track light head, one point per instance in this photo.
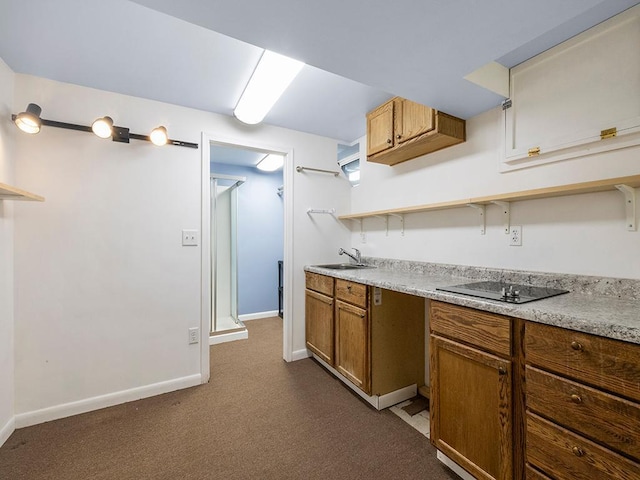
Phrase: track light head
[159,136]
[103,127]
[29,121]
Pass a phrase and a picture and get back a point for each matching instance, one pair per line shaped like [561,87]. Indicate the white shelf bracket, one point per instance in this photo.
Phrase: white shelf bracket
[386,223]
[482,209]
[630,205]
[401,217]
[506,214]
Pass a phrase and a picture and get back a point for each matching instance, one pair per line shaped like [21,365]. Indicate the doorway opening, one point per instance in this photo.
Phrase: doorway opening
[247,239]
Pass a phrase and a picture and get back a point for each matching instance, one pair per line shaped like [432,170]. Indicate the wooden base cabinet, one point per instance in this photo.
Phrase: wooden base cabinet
[583,405]
[353,345]
[373,338]
[472,389]
[319,324]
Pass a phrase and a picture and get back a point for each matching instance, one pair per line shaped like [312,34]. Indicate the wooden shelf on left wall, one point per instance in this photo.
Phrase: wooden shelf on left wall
[7,192]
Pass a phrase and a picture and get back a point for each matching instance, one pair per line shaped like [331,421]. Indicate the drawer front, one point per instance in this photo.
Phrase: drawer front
[605,418]
[566,456]
[319,283]
[533,474]
[485,330]
[609,364]
[350,292]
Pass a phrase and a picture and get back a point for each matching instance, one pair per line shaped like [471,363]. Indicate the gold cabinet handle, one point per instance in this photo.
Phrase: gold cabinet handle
[575,398]
[577,346]
[578,451]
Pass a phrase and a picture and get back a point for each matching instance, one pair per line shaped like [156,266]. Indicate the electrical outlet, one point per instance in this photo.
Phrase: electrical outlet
[515,236]
[194,335]
[189,238]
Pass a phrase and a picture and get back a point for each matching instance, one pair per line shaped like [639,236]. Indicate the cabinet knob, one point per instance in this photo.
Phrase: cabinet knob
[575,398]
[389,141]
[578,451]
[502,371]
[349,287]
[398,136]
[577,346]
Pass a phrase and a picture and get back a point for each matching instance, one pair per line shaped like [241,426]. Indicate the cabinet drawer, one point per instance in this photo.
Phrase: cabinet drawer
[565,455]
[533,474]
[353,293]
[605,418]
[609,364]
[319,283]
[485,330]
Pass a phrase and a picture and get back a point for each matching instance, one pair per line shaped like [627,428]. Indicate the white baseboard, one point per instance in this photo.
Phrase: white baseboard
[96,403]
[7,430]
[228,337]
[300,355]
[379,402]
[257,316]
[461,472]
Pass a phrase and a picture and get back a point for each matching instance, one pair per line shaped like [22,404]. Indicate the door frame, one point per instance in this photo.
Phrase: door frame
[207,139]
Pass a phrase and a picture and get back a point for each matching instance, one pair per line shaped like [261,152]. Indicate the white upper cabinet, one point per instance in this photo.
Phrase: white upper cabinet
[564,98]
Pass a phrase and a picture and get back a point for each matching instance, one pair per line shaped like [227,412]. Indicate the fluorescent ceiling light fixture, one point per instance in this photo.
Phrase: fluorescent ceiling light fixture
[159,136]
[271,163]
[270,79]
[102,127]
[29,121]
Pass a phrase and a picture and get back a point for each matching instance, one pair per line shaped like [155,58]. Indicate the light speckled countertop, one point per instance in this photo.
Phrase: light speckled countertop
[601,306]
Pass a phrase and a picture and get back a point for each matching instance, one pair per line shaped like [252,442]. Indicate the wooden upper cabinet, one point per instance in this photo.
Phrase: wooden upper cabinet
[380,129]
[400,130]
[412,119]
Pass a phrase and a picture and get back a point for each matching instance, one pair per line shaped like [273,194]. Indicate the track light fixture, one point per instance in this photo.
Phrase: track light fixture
[29,121]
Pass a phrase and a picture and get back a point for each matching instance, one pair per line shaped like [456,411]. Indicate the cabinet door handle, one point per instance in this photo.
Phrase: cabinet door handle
[575,398]
[398,136]
[502,371]
[578,451]
[389,141]
[577,346]
[349,287]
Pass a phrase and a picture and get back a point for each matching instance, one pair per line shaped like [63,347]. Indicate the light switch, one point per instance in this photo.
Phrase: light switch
[189,238]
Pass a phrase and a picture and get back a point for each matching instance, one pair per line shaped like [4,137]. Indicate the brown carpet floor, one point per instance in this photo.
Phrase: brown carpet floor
[258,418]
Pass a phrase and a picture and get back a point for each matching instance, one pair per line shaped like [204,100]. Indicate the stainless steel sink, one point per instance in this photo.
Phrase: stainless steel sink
[345,266]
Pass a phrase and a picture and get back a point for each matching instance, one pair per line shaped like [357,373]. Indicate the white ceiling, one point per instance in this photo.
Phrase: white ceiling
[200,53]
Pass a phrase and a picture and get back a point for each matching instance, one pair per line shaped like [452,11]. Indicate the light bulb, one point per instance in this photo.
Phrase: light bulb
[29,121]
[159,136]
[102,127]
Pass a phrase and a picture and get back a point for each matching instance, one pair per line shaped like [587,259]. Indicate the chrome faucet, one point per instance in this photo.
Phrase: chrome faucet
[356,258]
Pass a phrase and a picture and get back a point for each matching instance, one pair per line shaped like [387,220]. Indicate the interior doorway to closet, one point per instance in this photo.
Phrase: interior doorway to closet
[247,240]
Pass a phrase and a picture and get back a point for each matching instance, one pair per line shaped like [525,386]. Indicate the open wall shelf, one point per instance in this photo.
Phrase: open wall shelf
[7,192]
[626,185]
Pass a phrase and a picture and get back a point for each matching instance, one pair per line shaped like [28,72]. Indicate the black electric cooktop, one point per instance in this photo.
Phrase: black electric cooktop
[504,292]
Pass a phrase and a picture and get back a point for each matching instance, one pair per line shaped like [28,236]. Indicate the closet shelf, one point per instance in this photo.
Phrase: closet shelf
[547,192]
[7,192]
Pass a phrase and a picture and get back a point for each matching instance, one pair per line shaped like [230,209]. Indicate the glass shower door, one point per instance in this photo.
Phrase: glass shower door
[224,255]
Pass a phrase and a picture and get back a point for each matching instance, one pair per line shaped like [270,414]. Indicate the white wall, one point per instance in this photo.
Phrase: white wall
[582,234]
[6,255]
[105,292]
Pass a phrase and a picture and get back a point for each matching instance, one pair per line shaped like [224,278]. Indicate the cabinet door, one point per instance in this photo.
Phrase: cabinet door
[380,129]
[412,119]
[471,414]
[353,342]
[319,325]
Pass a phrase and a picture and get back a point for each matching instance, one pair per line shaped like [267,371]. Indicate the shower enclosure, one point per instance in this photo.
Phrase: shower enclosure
[224,254]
